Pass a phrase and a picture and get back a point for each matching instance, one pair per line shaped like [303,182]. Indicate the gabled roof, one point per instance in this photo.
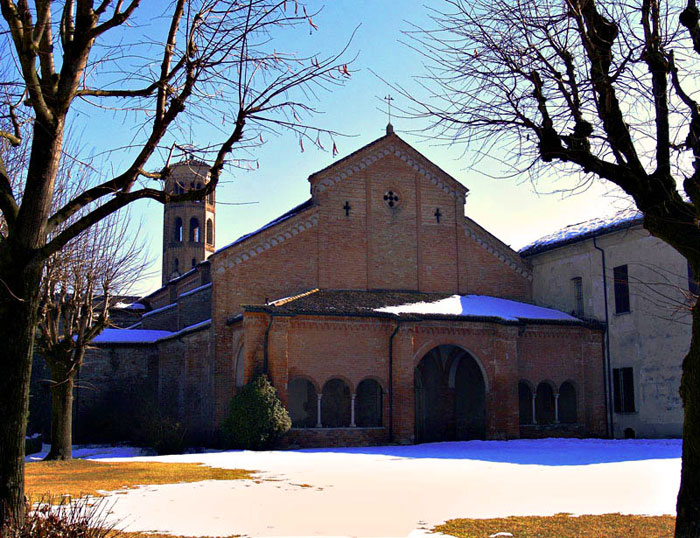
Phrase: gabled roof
[285,216]
[582,231]
[390,136]
[407,152]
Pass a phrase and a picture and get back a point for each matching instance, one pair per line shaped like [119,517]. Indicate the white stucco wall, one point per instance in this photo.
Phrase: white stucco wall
[652,338]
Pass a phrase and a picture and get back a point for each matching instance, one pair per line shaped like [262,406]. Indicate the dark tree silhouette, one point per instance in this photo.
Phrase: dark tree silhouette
[216,62]
[605,89]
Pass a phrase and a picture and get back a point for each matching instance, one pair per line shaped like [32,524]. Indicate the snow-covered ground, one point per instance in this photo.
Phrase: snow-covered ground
[397,491]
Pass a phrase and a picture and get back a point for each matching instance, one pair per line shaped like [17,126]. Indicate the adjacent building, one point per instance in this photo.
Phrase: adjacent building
[641,289]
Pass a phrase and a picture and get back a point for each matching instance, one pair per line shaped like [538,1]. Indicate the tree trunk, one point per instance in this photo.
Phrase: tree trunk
[688,504]
[19,300]
[61,415]
[20,276]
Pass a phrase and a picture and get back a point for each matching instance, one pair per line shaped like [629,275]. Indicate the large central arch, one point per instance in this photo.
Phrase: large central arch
[450,396]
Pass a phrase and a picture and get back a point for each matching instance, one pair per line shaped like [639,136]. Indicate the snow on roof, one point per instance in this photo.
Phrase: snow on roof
[195,290]
[481,306]
[289,214]
[188,329]
[161,309]
[143,336]
[130,336]
[130,306]
[584,230]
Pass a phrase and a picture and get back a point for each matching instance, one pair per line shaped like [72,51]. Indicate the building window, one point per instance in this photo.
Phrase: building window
[303,403]
[622,289]
[178,230]
[210,232]
[692,281]
[176,266]
[194,230]
[391,199]
[210,198]
[368,404]
[179,189]
[623,390]
[577,286]
[194,262]
[525,402]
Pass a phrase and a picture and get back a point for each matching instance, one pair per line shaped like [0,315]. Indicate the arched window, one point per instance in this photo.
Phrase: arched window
[176,267]
[544,404]
[303,403]
[194,262]
[178,230]
[210,232]
[525,402]
[567,403]
[368,404]
[335,404]
[194,230]
[178,188]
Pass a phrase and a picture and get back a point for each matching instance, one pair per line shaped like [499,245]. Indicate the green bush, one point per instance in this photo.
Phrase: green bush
[256,418]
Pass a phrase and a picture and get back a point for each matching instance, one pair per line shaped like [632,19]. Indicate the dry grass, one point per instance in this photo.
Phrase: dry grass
[159,535]
[77,478]
[562,525]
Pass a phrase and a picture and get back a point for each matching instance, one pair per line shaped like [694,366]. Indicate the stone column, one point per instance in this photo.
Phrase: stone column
[318,411]
[534,408]
[352,411]
[556,408]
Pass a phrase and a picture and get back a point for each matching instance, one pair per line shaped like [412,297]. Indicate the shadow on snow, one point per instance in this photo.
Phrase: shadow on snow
[550,452]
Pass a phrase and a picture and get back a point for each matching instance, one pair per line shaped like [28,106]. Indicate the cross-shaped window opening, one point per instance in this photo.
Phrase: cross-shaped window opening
[391,198]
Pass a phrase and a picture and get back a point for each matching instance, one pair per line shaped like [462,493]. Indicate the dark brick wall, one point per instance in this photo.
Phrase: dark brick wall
[322,437]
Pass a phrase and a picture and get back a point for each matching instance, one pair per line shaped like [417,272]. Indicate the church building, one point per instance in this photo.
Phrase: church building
[379,311]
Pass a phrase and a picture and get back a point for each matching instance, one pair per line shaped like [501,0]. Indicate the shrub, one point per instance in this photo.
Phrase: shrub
[256,419]
[165,436]
[83,518]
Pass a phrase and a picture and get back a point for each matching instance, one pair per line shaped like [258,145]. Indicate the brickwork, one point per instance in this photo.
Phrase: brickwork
[185,390]
[384,218]
[194,306]
[185,237]
[162,319]
[116,388]
[353,349]
[351,238]
[321,437]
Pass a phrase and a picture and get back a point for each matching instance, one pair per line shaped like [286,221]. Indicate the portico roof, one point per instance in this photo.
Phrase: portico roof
[410,305]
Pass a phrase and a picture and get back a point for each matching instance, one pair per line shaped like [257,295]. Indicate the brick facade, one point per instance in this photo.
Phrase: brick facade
[382,219]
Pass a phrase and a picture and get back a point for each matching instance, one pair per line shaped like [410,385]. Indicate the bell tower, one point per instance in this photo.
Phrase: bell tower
[188,227]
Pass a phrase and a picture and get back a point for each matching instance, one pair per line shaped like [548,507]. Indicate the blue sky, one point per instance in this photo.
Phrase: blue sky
[510,208]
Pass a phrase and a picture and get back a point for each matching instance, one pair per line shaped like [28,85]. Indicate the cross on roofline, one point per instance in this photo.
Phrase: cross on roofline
[388,100]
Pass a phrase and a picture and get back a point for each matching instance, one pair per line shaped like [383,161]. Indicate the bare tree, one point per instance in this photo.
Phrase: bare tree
[80,284]
[604,89]
[215,62]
